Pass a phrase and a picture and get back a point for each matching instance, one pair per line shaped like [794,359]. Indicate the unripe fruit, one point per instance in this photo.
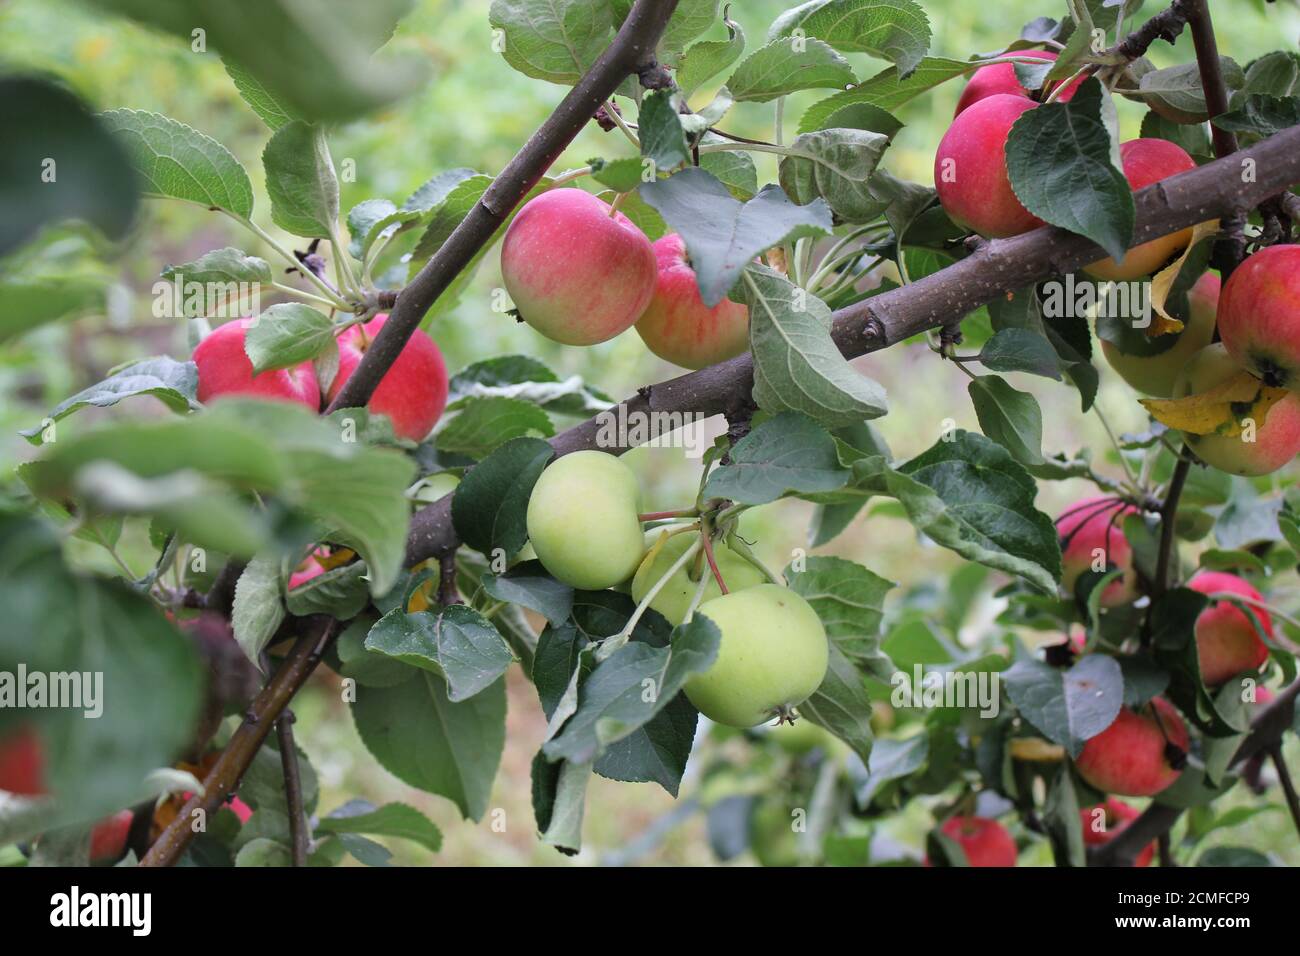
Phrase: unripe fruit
[224,369]
[1092,539]
[1131,757]
[773,655]
[1275,442]
[970,168]
[412,393]
[1001,78]
[1105,821]
[583,520]
[22,763]
[1155,372]
[1147,161]
[803,737]
[1226,640]
[577,274]
[677,326]
[985,842]
[771,833]
[677,593]
[1259,315]
[108,838]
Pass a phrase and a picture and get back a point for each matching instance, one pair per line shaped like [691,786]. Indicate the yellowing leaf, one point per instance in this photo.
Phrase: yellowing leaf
[1163,283]
[1221,410]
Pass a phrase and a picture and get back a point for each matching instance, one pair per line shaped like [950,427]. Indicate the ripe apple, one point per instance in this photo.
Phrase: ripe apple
[224,369]
[970,168]
[22,763]
[1226,641]
[1130,757]
[1275,442]
[1092,539]
[772,656]
[576,273]
[240,809]
[1105,821]
[108,837]
[1155,372]
[675,596]
[1147,161]
[412,393]
[583,520]
[1259,315]
[1001,78]
[677,326]
[985,842]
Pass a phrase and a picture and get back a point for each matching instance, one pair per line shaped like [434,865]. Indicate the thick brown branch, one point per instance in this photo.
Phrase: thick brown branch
[631,53]
[998,267]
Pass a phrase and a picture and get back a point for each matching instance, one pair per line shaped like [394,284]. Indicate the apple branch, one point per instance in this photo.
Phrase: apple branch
[996,268]
[631,53]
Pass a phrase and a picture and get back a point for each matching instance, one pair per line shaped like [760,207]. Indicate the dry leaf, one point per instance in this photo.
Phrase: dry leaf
[1163,283]
[1221,410]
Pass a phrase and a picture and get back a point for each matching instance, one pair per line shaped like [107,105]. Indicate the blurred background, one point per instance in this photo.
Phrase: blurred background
[476,112]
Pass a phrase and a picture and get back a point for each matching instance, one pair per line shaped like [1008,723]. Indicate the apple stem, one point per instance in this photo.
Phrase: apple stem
[706,537]
[661,515]
[618,640]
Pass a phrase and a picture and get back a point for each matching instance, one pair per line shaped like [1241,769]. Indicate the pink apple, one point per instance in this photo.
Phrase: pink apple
[1092,539]
[1226,640]
[224,369]
[985,842]
[108,838]
[970,168]
[1259,315]
[1105,821]
[22,763]
[678,326]
[412,393]
[576,273]
[1001,78]
[1130,757]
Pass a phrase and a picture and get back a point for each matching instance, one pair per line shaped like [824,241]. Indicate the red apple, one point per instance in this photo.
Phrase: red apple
[224,369]
[108,838]
[1001,78]
[1092,539]
[678,326]
[240,809]
[1105,821]
[576,273]
[1261,450]
[1226,640]
[1155,373]
[970,168]
[1130,757]
[412,393]
[985,842]
[22,763]
[1147,161]
[1259,315]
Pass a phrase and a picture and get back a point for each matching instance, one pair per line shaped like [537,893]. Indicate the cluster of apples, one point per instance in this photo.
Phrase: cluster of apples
[986,842]
[1257,314]
[584,525]
[580,272]
[412,393]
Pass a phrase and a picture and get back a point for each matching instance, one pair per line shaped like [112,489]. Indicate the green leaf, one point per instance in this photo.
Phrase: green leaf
[837,165]
[797,366]
[391,820]
[559,794]
[435,189]
[621,175]
[1069,707]
[1021,350]
[552,40]
[484,424]
[93,176]
[1060,160]
[263,852]
[784,66]
[735,170]
[894,30]
[220,267]
[258,609]
[174,383]
[374,218]
[262,101]
[787,454]
[1261,115]
[1176,91]
[490,504]
[1010,417]
[300,181]
[341,593]
[706,59]
[723,234]
[887,89]
[527,379]
[1194,139]
[659,126]
[179,162]
[1061,818]
[848,598]
[418,734]
[893,759]
[54,277]
[287,334]
[455,642]
[529,585]
[689,20]
[841,704]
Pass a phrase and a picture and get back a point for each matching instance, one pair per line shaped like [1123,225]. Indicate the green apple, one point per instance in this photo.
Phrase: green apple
[773,655]
[583,520]
[676,595]
[771,833]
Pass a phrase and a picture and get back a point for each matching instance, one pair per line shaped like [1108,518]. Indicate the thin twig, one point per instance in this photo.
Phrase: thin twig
[292,787]
[1288,785]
